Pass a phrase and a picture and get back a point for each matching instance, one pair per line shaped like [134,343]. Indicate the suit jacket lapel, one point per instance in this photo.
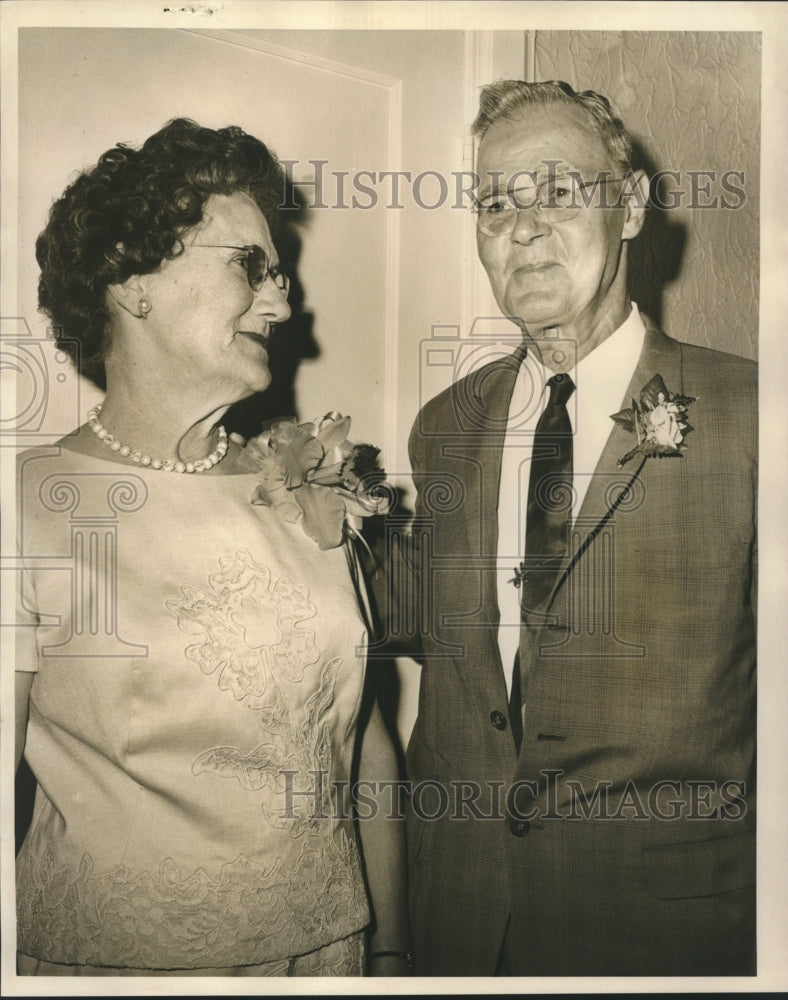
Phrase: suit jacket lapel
[490,391]
[660,355]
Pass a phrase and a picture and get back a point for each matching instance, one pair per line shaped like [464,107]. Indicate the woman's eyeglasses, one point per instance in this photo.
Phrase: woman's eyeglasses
[256,265]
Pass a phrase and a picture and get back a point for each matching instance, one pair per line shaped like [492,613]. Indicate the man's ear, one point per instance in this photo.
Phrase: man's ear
[634,198]
[130,293]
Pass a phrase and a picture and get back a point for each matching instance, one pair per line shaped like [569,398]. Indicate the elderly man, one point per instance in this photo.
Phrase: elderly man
[582,765]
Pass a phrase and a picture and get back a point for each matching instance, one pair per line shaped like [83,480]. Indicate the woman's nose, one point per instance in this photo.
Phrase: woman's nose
[271,301]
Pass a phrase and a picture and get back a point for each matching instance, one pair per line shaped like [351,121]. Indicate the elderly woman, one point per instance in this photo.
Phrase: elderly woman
[189,686]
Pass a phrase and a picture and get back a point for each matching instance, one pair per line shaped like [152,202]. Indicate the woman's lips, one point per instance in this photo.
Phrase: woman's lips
[258,338]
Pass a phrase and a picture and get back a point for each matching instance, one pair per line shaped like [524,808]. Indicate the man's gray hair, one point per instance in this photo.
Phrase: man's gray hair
[501,101]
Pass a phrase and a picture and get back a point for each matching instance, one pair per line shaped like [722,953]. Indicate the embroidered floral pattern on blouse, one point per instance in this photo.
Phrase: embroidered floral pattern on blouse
[302,749]
[168,920]
[251,633]
[250,626]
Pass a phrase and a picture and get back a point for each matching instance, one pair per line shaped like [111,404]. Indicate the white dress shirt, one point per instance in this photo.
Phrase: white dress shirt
[601,379]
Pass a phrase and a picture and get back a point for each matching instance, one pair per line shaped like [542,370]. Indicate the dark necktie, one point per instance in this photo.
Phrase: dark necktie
[548,509]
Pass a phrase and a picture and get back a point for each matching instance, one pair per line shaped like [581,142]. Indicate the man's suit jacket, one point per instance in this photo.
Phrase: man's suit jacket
[629,847]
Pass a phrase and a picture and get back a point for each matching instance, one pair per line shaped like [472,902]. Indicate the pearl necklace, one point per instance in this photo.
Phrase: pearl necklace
[165,464]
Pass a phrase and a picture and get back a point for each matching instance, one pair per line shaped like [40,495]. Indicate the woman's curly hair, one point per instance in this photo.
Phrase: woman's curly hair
[127,213]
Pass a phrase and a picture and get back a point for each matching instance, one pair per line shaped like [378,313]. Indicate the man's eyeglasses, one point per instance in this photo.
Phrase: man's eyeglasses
[555,200]
[256,266]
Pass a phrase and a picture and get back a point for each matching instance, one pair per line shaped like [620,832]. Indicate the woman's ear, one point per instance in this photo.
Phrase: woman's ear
[634,198]
[132,296]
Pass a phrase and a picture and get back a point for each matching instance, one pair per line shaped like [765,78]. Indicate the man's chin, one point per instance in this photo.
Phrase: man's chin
[537,313]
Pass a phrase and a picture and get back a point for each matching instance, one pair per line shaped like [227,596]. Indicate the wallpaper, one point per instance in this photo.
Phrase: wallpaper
[691,100]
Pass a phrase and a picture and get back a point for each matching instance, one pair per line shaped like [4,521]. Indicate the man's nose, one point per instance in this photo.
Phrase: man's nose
[529,224]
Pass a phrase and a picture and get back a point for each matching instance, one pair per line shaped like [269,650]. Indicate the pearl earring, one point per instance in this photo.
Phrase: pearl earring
[144,307]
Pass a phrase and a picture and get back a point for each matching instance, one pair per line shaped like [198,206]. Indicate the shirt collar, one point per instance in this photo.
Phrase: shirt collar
[607,369]
[614,360]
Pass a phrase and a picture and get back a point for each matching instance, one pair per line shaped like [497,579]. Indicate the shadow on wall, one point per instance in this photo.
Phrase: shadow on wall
[384,641]
[291,342]
[656,255]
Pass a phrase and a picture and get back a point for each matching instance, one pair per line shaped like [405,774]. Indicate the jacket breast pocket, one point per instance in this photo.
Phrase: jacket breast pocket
[700,868]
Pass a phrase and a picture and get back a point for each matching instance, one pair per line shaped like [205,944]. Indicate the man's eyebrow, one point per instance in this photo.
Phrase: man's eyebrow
[492,192]
[492,180]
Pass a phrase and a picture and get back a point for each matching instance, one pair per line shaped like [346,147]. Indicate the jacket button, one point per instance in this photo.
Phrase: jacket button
[498,719]
[519,827]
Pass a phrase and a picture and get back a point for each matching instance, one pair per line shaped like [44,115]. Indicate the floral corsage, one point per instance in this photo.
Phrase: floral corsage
[659,419]
[311,473]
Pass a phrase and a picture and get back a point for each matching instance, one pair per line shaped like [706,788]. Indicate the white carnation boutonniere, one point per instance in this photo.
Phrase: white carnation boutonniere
[658,418]
[312,473]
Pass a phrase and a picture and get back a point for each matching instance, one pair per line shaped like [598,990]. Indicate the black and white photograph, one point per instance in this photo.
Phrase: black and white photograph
[391,397]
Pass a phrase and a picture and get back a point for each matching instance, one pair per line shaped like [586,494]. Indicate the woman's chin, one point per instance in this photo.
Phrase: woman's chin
[258,381]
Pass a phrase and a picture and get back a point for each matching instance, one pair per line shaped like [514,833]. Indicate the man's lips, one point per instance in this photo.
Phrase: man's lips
[534,268]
